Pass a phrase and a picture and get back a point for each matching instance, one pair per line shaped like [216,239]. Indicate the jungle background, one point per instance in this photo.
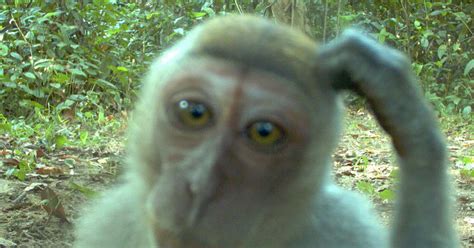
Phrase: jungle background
[70,72]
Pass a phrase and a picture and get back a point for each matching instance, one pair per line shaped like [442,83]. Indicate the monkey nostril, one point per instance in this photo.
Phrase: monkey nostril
[189,192]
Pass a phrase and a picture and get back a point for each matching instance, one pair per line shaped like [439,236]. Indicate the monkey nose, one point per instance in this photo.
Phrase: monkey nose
[201,188]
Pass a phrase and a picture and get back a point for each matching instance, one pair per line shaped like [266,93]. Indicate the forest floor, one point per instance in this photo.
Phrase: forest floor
[40,209]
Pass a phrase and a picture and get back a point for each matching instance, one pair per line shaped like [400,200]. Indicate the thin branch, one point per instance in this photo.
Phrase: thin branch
[24,38]
[326,7]
[238,7]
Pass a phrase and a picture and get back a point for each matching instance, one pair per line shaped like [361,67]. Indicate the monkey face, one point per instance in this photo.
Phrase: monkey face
[231,135]
[238,126]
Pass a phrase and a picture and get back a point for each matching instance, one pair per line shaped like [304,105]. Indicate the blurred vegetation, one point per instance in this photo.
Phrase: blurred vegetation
[70,70]
[83,60]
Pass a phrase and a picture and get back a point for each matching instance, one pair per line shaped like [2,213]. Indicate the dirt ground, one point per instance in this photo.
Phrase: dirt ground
[24,222]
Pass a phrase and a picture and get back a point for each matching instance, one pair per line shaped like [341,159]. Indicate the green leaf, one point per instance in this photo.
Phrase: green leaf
[467,110]
[56,13]
[105,84]
[469,67]
[395,174]
[57,67]
[30,75]
[60,141]
[417,24]
[3,50]
[88,115]
[16,56]
[41,63]
[10,85]
[60,78]
[88,192]
[121,68]
[365,187]
[55,85]
[424,42]
[198,14]
[34,92]
[77,72]
[5,128]
[31,103]
[467,173]
[83,136]
[65,105]
[442,51]
[23,169]
[387,194]
[101,116]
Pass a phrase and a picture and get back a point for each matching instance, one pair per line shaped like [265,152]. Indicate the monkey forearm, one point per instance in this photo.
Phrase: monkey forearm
[384,77]
[422,217]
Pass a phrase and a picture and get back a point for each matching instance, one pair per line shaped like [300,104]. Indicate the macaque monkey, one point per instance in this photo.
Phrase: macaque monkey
[231,144]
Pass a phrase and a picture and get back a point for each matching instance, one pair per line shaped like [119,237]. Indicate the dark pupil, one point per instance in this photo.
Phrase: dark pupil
[264,129]
[197,111]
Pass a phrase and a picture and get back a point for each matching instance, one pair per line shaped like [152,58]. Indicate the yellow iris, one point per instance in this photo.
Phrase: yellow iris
[265,133]
[193,114]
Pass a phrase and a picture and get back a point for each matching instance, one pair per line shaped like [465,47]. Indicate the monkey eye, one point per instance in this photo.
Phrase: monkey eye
[265,134]
[193,114]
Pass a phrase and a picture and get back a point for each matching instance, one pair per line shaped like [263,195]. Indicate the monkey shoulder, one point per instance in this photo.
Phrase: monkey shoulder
[114,220]
[343,219]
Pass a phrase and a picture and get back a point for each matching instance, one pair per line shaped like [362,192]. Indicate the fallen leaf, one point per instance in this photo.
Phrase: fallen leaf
[5,152]
[11,162]
[49,170]
[52,204]
[40,153]
[34,186]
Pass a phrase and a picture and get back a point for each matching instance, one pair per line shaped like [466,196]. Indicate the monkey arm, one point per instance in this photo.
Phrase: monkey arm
[383,76]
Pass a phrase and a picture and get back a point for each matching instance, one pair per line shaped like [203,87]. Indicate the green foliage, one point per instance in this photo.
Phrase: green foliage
[387,194]
[50,132]
[365,187]
[467,167]
[67,62]
[66,55]
[88,192]
[54,132]
[369,189]
[361,162]
[467,173]
[20,171]
[437,36]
